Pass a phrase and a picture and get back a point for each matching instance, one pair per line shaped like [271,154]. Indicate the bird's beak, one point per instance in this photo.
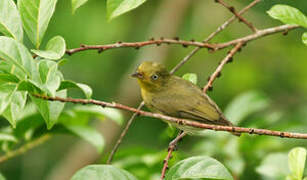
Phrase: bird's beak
[137,75]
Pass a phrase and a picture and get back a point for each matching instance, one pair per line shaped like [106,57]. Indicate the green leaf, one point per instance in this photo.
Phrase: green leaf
[29,86]
[10,21]
[9,68]
[89,134]
[274,166]
[304,38]
[50,80]
[6,93]
[8,78]
[75,4]
[83,87]
[288,15]
[246,104]
[118,7]
[35,15]
[297,158]
[15,53]
[13,111]
[190,77]
[99,172]
[55,49]
[202,167]
[50,110]
[8,137]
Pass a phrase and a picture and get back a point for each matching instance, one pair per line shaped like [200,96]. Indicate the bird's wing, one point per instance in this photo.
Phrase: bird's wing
[189,104]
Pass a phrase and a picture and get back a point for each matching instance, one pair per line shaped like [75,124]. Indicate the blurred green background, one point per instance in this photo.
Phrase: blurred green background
[269,72]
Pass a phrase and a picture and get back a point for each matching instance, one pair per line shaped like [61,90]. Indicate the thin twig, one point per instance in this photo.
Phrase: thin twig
[180,121]
[257,35]
[218,70]
[24,148]
[122,135]
[171,148]
[242,19]
[213,34]
[137,45]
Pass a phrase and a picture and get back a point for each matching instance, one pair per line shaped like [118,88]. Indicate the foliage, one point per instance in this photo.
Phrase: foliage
[289,15]
[31,57]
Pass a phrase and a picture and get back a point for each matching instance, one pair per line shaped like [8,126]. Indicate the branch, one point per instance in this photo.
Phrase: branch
[25,147]
[171,148]
[257,35]
[241,19]
[123,133]
[215,47]
[217,72]
[137,45]
[178,120]
[212,35]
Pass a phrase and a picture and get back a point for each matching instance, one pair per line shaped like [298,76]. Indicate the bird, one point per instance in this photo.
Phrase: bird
[174,96]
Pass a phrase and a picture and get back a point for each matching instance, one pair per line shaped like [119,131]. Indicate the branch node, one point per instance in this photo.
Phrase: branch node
[82,45]
[210,88]
[251,131]
[230,60]
[100,50]
[176,38]
[232,9]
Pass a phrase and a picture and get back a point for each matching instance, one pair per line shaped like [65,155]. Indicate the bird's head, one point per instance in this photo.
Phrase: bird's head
[151,76]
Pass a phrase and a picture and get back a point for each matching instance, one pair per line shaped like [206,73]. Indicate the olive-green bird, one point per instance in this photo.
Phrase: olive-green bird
[173,96]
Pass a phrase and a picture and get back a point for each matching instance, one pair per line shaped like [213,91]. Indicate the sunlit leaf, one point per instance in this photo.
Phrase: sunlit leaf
[192,77]
[288,15]
[50,79]
[10,21]
[12,112]
[54,50]
[118,7]
[99,172]
[297,158]
[35,15]
[274,166]
[6,93]
[202,167]
[244,105]
[83,87]
[15,53]
[75,4]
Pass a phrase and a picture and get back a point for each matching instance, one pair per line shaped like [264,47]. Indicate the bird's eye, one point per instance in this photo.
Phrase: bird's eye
[154,77]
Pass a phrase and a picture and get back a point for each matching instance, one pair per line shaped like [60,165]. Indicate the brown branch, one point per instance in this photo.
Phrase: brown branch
[137,45]
[178,120]
[257,35]
[171,148]
[241,19]
[25,147]
[212,35]
[218,70]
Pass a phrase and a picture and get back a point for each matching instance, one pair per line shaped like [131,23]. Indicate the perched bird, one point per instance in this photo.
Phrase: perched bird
[173,96]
